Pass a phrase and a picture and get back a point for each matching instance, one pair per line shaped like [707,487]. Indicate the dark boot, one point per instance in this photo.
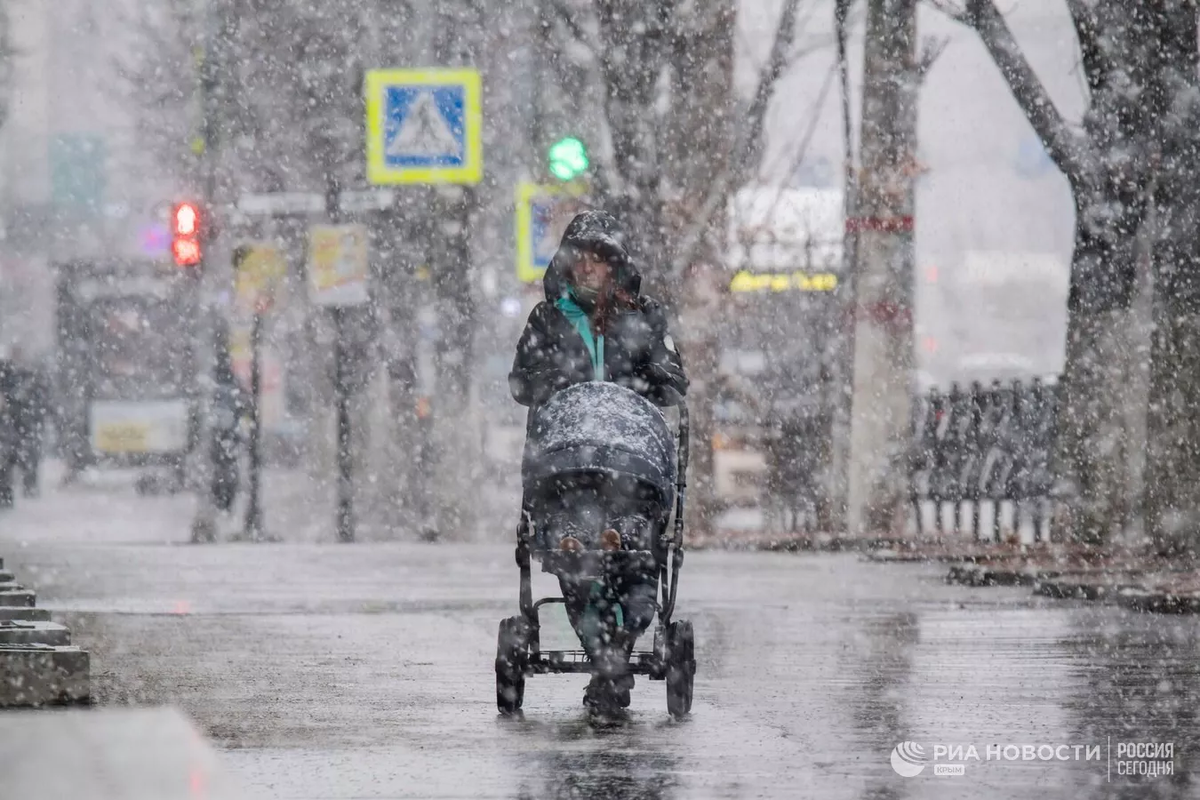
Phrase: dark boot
[607,696]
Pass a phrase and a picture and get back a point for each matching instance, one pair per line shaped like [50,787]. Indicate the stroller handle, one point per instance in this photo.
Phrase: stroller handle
[681,471]
[677,538]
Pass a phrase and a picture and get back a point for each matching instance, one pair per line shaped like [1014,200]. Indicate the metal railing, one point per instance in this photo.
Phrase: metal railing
[978,448]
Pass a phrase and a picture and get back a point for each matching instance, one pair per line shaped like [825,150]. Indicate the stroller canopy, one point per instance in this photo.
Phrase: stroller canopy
[599,427]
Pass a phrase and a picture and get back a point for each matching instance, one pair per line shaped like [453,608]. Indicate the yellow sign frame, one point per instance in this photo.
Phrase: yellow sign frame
[527,192]
[377,81]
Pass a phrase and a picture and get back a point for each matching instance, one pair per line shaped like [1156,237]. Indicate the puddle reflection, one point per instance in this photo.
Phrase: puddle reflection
[620,761]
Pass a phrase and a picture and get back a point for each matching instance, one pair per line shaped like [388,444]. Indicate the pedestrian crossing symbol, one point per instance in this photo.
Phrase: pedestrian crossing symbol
[424,126]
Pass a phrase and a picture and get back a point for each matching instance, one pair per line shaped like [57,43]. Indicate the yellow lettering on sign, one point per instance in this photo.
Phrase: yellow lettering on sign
[122,438]
[745,281]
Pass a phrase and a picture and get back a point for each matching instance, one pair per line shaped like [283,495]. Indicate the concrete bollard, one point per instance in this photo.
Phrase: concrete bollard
[30,632]
[38,674]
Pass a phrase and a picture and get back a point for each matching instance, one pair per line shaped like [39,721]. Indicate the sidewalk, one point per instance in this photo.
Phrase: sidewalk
[105,507]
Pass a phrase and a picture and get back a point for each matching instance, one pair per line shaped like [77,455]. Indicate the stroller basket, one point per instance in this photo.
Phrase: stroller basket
[593,563]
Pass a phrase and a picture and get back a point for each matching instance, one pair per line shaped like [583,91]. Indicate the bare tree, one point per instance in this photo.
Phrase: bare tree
[162,78]
[6,59]
[1109,164]
[673,144]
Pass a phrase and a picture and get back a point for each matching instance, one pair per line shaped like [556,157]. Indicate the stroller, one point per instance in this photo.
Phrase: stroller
[599,457]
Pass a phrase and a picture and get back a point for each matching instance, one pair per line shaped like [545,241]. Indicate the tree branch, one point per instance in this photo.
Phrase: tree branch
[719,191]
[1096,65]
[949,9]
[814,117]
[931,49]
[563,15]
[800,52]
[1063,145]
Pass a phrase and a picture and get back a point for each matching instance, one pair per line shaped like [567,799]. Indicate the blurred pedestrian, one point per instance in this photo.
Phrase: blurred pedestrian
[8,429]
[31,399]
[230,405]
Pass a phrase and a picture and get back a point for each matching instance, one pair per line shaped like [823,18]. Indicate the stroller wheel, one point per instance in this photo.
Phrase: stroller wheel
[512,649]
[681,668]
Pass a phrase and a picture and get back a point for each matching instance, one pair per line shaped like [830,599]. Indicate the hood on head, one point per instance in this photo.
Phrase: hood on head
[597,232]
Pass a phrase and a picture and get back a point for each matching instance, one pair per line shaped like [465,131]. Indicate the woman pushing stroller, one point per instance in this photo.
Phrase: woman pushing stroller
[596,325]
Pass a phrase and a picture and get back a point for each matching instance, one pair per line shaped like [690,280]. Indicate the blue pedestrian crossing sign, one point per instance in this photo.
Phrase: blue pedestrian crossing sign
[424,126]
[543,213]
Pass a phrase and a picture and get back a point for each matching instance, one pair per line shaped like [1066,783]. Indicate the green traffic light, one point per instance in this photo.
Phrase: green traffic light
[568,158]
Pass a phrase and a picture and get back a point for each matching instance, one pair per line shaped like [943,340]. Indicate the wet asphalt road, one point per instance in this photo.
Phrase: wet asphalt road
[365,671]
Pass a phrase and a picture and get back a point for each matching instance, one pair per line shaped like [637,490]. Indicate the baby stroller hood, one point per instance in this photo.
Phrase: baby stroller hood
[600,427]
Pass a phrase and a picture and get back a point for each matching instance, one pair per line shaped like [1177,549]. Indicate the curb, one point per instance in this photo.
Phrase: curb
[992,575]
[1137,598]
[1133,578]
[787,543]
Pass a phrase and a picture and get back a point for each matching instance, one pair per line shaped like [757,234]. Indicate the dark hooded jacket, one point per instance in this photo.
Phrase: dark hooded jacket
[638,352]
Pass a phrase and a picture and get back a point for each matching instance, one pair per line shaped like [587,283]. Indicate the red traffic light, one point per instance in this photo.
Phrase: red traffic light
[187,220]
[185,234]
[186,252]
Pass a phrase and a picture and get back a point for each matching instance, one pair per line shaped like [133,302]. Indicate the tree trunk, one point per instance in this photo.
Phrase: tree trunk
[1111,200]
[838,374]
[1173,424]
[1090,452]
[700,138]
[456,445]
[880,435]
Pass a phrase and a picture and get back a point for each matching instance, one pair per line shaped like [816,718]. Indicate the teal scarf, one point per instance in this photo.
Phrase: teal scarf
[579,320]
[590,626]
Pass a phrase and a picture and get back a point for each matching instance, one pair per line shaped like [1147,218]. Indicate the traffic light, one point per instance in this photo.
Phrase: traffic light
[185,234]
[568,158]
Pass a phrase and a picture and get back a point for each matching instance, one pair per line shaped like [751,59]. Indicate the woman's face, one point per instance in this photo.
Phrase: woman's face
[591,272]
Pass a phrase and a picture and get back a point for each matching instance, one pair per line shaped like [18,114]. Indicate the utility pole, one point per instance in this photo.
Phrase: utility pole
[880,435]
[341,377]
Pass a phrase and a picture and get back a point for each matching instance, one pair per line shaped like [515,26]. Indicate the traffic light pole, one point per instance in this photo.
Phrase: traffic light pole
[254,522]
[204,524]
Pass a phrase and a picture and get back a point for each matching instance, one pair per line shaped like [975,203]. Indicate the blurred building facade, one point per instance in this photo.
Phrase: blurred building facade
[73,180]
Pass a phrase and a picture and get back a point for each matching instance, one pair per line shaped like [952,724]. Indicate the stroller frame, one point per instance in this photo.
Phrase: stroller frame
[672,657]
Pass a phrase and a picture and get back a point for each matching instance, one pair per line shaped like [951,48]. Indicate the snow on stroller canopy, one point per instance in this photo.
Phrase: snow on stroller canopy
[599,426]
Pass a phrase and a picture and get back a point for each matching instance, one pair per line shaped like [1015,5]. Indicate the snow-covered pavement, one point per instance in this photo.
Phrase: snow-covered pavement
[328,670]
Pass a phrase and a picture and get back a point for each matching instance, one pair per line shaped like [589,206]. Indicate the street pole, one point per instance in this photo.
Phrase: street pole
[345,462]
[881,416]
[254,522]
[341,390]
